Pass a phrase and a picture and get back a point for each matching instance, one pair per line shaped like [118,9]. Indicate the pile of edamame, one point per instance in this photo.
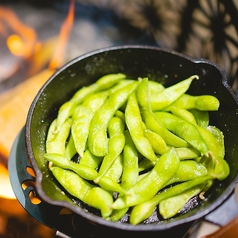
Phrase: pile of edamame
[132,146]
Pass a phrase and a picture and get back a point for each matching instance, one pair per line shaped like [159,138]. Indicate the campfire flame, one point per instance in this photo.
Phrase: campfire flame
[57,59]
[22,42]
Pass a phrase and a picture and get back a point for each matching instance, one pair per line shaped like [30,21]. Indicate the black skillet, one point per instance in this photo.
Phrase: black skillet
[166,66]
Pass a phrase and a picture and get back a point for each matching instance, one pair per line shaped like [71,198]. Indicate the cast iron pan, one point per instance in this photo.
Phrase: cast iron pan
[162,65]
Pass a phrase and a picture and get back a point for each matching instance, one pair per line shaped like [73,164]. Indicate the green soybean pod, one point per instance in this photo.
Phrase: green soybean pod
[151,183]
[157,142]
[98,140]
[215,144]
[120,114]
[201,102]
[134,124]
[51,131]
[143,210]
[80,130]
[100,199]
[217,168]
[130,172]
[155,88]
[83,171]
[183,129]
[218,134]
[116,169]
[145,164]
[116,129]
[95,101]
[56,141]
[118,214]
[214,158]
[201,117]
[70,149]
[81,122]
[187,153]
[84,191]
[151,121]
[72,182]
[120,85]
[90,159]
[171,94]
[183,114]
[130,163]
[111,185]
[105,82]
[188,170]
[171,206]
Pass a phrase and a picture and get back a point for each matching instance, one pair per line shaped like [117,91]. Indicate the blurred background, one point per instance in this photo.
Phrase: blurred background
[37,37]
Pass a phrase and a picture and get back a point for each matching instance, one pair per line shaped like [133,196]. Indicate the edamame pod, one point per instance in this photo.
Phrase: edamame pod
[83,171]
[170,94]
[171,206]
[102,83]
[84,191]
[144,210]
[100,199]
[130,163]
[97,140]
[90,159]
[218,134]
[56,142]
[118,214]
[214,158]
[70,149]
[151,121]
[134,124]
[120,85]
[116,169]
[183,129]
[72,182]
[187,170]
[218,168]
[201,117]
[81,122]
[216,145]
[155,88]
[145,164]
[80,130]
[116,129]
[202,102]
[111,185]
[184,114]
[150,184]
[95,101]
[157,142]
[187,153]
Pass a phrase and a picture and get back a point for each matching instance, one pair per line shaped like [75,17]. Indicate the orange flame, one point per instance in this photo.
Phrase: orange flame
[57,59]
[22,42]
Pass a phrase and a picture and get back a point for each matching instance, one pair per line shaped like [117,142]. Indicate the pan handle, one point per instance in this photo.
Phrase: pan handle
[222,219]
[225,212]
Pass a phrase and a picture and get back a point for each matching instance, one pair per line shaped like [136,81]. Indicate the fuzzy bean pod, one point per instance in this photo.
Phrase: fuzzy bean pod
[98,140]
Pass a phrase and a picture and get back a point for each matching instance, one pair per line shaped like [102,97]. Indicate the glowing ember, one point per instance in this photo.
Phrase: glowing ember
[22,42]
[16,45]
